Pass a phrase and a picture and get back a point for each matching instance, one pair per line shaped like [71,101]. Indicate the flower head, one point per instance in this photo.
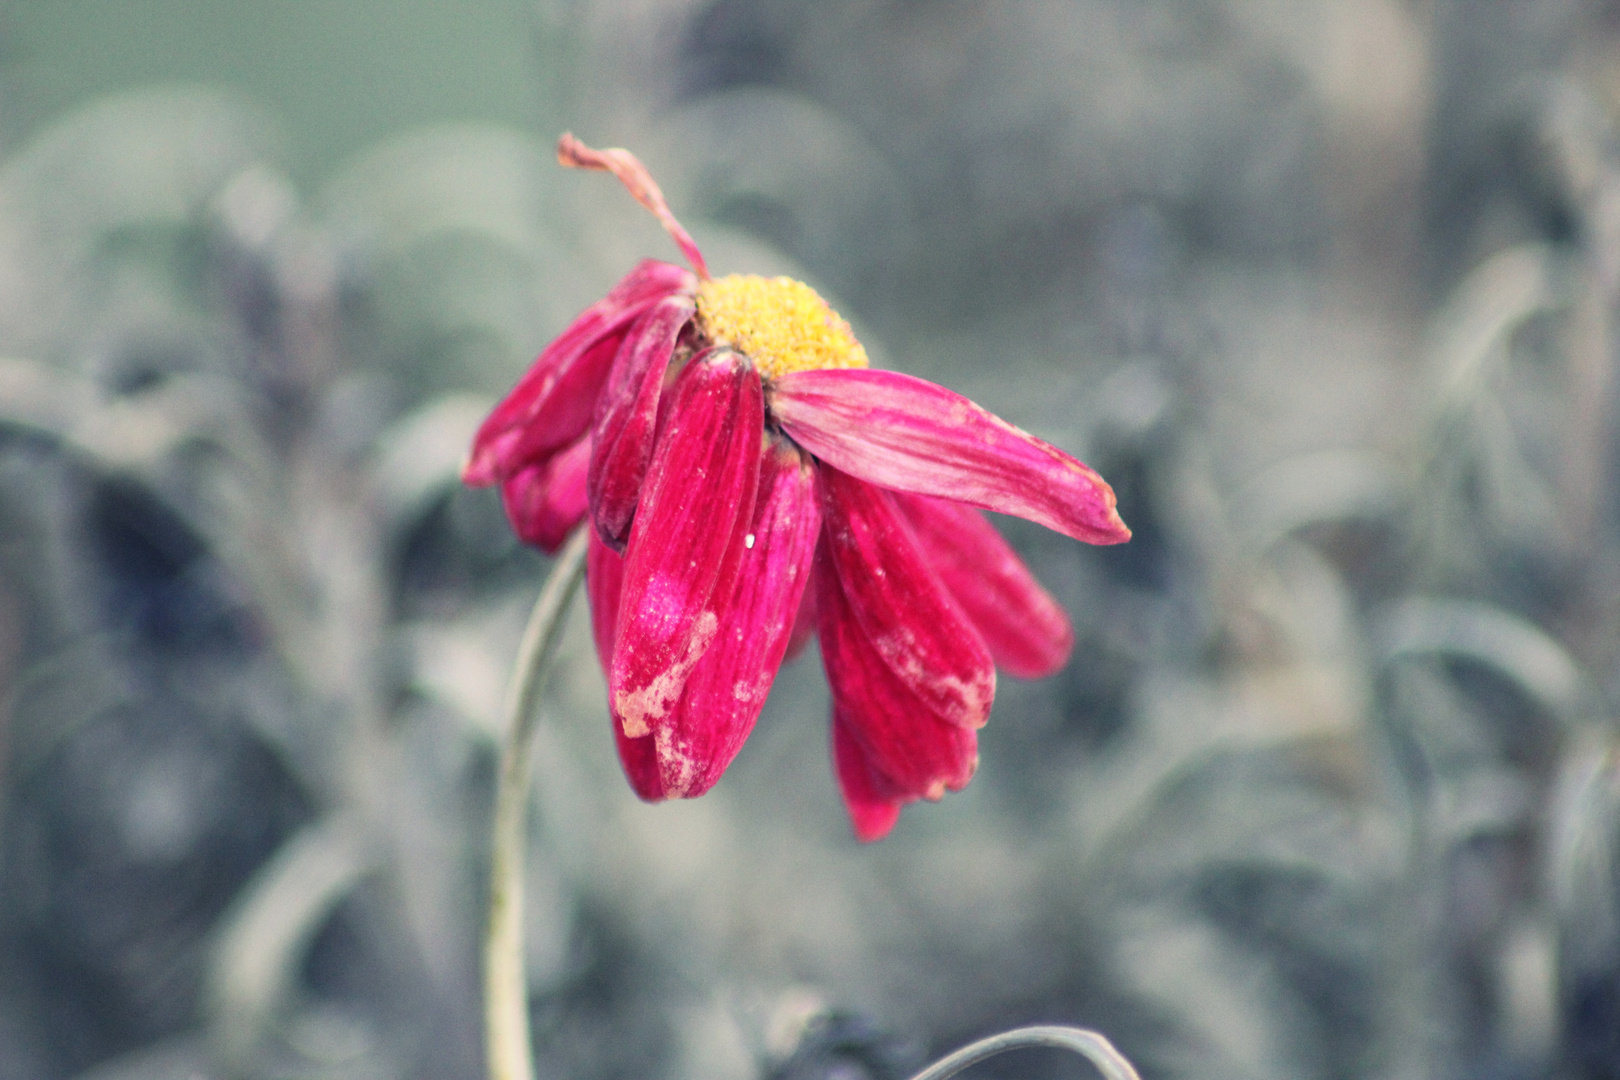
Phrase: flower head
[749,480]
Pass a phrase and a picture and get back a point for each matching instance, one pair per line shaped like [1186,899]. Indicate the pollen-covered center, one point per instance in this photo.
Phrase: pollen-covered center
[779,323]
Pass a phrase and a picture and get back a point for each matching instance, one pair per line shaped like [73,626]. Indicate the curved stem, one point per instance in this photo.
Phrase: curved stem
[1094,1047]
[506,990]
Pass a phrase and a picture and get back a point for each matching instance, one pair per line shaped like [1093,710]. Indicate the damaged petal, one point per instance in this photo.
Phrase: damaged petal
[604,581]
[871,814]
[627,417]
[1027,632]
[687,539]
[639,759]
[804,626]
[727,687]
[604,576]
[910,752]
[545,502]
[908,434]
[552,404]
[901,606]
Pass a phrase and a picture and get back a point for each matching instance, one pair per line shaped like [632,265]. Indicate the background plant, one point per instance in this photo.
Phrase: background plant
[1325,289]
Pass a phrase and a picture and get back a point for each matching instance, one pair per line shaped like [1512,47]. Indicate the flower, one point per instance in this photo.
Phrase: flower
[750,479]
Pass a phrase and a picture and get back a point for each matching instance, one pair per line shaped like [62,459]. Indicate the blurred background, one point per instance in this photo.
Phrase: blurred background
[1326,288]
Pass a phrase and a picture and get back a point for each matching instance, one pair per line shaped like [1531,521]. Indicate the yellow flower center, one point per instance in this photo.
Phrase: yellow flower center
[779,323]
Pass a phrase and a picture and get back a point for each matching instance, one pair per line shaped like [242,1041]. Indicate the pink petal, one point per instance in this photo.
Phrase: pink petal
[561,413]
[871,814]
[902,607]
[687,540]
[634,175]
[604,582]
[804,626]
[1027,632]
[700,736]
[604,575]
[910,752]
[627,416]
[553,402]
[639,759]
[908,434]
[544,502]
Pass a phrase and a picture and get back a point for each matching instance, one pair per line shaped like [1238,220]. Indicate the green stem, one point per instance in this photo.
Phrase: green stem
[506,989]
[1094,1047]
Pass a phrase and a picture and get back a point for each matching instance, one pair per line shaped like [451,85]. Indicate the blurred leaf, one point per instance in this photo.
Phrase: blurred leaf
[456,223]
[145,160]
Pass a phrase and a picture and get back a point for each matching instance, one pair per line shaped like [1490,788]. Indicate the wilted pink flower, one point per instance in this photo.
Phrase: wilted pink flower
[749,478]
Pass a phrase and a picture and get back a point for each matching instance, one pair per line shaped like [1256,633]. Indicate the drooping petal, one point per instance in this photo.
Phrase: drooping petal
[910,752]
[554,401]
[639,759]
[560,401]
[604,581]
[574,154]
[604,575]
[872,814]
[1027,632]
[687,540]
[903,609]
[908,434]
[627,416]
[804,626]
[701,735]
[648,281]
[544,502]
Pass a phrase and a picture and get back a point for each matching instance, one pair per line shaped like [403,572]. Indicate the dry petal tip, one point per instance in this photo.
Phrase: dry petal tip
[479,476]
[1122,531]
[573,154]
